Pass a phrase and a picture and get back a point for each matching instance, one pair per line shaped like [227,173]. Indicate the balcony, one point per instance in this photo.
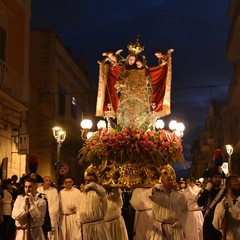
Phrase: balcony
[11,87]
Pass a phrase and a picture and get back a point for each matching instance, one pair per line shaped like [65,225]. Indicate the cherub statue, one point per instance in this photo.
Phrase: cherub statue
[114,58]
[163,58]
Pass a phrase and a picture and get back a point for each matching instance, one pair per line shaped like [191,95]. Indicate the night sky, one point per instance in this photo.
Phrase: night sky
[196,30]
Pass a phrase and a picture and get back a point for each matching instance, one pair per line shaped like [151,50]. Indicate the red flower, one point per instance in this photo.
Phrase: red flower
[133,145]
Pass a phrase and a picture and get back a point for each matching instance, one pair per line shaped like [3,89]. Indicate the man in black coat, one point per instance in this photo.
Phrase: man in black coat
[209,197]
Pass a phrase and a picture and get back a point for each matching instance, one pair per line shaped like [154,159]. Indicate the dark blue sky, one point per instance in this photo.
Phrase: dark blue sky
[196,30]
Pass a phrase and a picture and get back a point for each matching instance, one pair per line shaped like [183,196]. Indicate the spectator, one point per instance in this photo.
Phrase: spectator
[182,184]
[209,197]
[7,226]
[16,187]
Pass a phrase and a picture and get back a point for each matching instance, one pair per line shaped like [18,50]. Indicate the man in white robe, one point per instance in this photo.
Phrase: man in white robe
[69,198]
[92,210]
[53,205]
[227,212]
[169,210]
[143,221]
[193,229]
[29,212]
[113,218]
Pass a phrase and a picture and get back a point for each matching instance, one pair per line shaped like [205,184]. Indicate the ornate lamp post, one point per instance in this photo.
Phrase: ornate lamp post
[86,125]
[60,134]
[229,150]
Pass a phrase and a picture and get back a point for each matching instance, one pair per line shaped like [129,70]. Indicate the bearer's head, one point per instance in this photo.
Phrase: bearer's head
[167,181]
[90,175]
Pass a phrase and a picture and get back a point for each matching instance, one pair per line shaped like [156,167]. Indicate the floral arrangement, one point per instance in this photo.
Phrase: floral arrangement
[132,146]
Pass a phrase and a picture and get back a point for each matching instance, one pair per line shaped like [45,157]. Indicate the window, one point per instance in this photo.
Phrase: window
[62,100]
[74,108]
[2,44]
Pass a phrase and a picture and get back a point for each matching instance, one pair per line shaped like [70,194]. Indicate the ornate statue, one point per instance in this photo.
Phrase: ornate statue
[133,154]
[132,88]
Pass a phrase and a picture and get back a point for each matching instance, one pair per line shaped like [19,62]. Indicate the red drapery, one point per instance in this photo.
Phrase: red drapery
[159,81]
[111,96]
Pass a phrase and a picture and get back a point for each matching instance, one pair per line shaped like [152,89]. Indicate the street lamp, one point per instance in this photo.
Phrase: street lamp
[59,134]
[229,150]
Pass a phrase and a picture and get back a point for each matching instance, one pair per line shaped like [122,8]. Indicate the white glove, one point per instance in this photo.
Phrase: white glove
[209,186]
[157,187]
[90,186]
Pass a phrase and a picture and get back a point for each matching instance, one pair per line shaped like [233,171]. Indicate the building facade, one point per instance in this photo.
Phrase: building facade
[211,138]
[223,123]
[41,86]
[14,85]
[61,94]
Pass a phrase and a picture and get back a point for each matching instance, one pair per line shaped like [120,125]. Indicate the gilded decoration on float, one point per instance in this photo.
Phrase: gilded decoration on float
[131,156]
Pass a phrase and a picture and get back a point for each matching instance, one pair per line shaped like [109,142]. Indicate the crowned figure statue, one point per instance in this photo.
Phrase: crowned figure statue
[132,89]
[136,95]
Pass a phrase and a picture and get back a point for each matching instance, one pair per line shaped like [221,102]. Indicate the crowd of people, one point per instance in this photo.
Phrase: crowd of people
[165,211]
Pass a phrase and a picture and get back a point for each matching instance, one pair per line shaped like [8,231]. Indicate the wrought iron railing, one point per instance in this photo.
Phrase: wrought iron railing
[11,82]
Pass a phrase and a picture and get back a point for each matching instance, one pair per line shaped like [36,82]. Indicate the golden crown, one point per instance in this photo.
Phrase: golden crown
[136,47]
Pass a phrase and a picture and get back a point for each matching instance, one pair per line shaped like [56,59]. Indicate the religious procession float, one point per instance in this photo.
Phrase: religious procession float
[133,148]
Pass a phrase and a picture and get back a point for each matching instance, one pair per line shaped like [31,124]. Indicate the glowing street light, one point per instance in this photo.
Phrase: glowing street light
[229,150]
[60,135]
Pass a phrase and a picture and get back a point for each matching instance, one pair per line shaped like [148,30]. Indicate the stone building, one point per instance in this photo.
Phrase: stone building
[210,139]
[61,94]
[14,85]
[223,122]
[41,86]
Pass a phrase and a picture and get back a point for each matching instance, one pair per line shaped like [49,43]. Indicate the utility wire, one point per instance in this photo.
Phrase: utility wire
[204,86]
[173,88]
